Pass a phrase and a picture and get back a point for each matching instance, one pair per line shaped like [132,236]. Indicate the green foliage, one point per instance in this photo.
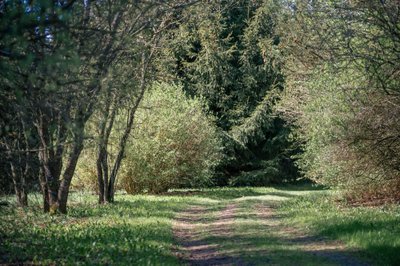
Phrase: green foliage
[345,110]
[85,178]
[324,109]
[269,173]
[228,53]
[175,143]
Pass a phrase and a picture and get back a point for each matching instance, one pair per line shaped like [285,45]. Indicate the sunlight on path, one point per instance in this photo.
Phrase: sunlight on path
[247,231]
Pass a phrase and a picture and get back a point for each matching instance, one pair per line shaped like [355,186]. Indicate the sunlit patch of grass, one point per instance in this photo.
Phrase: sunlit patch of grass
[373,230]
[136,230]
[263,197]
[252,228]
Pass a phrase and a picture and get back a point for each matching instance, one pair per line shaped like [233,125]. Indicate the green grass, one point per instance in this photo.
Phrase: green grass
[138,229]
[375,231]
[134,230]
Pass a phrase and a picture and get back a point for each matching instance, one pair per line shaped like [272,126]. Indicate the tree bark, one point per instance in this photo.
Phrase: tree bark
[70,167]
[19,187]
[45,192]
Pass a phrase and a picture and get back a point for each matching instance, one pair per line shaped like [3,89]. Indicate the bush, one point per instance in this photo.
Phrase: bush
[342,94]
[349,136]
[269,173]
[85,177]
[175,143]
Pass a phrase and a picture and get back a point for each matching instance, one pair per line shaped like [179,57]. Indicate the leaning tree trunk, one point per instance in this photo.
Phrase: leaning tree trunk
[70,167]
[125,136]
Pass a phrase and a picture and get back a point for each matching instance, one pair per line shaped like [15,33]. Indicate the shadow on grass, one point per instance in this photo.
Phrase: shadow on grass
[132,231]
[128,209]
[380,239]
[94,244]
[255,245]
[301,186]
[373,231]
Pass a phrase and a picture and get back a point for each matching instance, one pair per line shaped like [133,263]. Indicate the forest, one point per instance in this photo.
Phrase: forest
[196,132]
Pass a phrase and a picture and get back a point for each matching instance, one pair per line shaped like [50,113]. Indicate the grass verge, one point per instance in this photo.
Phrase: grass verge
[136,230]
[374,231]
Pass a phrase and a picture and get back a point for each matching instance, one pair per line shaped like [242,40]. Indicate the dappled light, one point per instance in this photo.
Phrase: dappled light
[198,132]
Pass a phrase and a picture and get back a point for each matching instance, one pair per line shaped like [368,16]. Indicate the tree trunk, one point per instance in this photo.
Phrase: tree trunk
[100,179]
[70,168]
[129,125]
[102,175]
[45,192]
[19,186]
[106,126]
[122,143]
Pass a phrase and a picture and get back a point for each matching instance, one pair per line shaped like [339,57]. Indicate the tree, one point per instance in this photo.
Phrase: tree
[227,53]
[31,56]
[141,56]
[56,56]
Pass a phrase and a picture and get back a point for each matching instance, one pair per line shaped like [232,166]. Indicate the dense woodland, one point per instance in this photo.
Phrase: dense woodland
[147,96]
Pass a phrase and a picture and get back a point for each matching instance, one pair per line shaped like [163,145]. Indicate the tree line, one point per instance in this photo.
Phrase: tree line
[291,88]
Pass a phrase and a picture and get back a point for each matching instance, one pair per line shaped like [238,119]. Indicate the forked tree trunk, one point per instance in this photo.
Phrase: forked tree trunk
[122,145]
[55,191]
[106,126]
[109,181]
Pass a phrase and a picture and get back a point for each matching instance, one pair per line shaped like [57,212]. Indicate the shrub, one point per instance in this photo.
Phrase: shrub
[175,143]
[85,176]
[268,174]
[349,136]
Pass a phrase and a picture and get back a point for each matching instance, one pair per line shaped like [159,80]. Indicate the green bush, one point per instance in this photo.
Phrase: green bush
[347,135]
[269,173]
[342,96]
[85,177]
[175,143]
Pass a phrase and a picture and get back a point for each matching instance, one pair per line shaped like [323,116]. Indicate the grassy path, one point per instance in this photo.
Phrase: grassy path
[247,231]
[193,224]
[226,226]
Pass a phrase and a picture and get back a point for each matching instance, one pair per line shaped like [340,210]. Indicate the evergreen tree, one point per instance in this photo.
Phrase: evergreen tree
[227,52]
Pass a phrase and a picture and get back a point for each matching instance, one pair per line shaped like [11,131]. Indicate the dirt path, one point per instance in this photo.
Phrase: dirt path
[237,235]
[189,228]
